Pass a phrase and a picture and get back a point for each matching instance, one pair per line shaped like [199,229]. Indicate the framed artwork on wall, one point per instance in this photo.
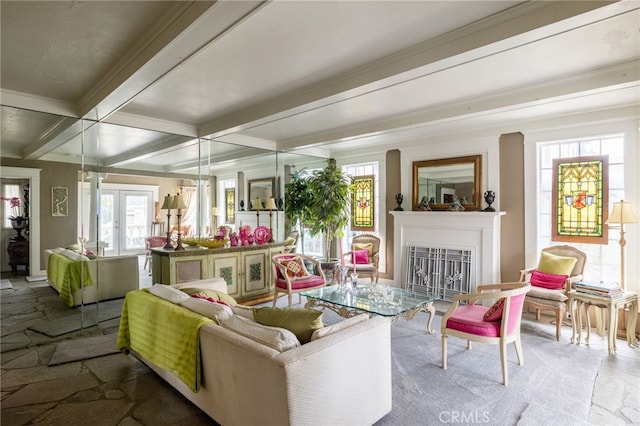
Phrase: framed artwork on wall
[579,199]
[59,201]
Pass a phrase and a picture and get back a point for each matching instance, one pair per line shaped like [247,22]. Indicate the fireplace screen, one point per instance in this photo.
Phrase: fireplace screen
[438,271]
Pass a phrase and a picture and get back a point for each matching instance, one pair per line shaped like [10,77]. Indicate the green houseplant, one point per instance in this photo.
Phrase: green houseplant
[298,199]
[330,190]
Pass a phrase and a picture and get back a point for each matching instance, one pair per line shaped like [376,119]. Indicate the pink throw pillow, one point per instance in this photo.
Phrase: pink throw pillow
[495,311]
[548,281]
[360,257]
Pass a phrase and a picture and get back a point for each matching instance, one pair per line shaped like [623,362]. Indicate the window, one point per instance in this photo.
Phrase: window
[230,205]
[603,259]
[364,171]
[363,203]
[10,191]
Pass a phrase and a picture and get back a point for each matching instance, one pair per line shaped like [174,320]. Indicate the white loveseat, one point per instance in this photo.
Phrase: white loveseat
[343,378]
[112,278]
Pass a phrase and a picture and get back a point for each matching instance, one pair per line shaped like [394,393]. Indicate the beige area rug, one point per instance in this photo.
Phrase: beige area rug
[84,348]
[5,285]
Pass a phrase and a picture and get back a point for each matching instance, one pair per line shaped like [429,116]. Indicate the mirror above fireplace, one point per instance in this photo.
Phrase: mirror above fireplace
[439,182]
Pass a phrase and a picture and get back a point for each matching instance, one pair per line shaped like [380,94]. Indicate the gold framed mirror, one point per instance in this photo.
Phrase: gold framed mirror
[437,183]
[263,189]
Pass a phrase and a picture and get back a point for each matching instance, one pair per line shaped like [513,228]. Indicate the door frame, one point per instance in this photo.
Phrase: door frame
[34,212]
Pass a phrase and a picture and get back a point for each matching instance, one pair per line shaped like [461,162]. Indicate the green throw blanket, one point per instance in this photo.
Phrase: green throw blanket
[65,274]
[165,334]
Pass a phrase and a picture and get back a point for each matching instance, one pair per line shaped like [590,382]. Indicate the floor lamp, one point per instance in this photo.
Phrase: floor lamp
[621,214]
[168,202]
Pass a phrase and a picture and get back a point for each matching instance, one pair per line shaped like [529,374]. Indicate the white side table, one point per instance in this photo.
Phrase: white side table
[607,316]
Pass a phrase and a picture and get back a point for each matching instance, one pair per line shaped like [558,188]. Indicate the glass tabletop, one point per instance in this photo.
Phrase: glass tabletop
[377,299]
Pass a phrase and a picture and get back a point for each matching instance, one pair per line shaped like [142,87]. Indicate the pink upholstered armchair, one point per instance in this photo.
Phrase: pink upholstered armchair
[152,242]
[498,324]
[291,275]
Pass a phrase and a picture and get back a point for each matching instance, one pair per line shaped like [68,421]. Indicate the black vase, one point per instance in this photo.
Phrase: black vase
[489,198]
[399,199]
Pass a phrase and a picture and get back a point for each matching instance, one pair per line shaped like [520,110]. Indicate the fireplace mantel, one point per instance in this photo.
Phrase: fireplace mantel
[475,231]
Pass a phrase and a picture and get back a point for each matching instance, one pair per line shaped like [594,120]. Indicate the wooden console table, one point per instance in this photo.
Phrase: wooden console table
[246,269]
[606,318]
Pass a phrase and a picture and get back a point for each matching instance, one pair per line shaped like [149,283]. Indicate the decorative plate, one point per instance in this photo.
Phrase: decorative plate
[262,235]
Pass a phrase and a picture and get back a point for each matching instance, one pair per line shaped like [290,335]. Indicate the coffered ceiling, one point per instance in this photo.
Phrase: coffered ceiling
[305,76]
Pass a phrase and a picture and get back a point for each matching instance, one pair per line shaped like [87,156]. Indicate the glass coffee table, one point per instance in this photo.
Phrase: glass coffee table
[350,301]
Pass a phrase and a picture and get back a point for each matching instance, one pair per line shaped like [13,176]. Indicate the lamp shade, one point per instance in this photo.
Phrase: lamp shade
[257,204]
[271,204]
[168,202]
[622,213]
[178,202]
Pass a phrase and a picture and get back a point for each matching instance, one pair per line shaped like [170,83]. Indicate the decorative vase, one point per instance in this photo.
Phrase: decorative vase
[489,198]
[399,200]
[19,223]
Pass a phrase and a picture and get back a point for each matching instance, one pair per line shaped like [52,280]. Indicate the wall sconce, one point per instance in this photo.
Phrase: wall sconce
[167,204]
[620,214]
[178,203]
[271,206]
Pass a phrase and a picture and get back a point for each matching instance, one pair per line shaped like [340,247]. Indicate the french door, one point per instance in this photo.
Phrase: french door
[124,219]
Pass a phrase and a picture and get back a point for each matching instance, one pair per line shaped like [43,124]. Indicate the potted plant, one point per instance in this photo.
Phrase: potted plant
[329,189]
[298,199]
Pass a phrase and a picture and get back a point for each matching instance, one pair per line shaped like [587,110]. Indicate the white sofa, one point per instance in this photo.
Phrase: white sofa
[112,278]
[343,378]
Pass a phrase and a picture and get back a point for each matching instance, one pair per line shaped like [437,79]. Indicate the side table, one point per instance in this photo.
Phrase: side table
[18,251]
[607,317]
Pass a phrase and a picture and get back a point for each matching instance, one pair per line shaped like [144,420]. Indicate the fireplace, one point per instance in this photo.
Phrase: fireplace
[453,251]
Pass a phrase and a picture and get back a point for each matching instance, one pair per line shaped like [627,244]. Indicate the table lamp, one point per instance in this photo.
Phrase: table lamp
[168,202]
[257,206]
[620,214]
[178,203]
[271,206]
[214,222]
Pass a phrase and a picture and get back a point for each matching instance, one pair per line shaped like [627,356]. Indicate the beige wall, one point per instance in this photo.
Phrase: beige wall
[511,194]
[394,186]
[62,231]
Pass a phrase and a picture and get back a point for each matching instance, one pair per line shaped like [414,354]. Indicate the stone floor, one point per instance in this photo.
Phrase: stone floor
[119,390]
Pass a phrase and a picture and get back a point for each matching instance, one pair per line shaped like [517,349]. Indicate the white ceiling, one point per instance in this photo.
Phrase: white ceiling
[295,75]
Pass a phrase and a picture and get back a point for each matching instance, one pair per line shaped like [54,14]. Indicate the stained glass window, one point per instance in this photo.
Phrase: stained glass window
[580,188]
[230,205]
[362,204]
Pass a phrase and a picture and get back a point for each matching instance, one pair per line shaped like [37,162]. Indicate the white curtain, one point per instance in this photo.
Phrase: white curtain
[190,214]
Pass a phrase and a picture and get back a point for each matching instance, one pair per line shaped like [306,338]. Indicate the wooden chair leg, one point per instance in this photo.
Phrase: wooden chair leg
[503,363]
[275,299]
[290,299]
[559,315]
[444,351]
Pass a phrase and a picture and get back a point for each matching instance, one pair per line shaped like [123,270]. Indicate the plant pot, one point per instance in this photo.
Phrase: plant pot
[19,223]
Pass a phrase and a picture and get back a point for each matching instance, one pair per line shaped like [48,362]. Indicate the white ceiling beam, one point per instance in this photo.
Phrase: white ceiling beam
[148,150]
[184,30]
[619,76]
[504,30]
[61,132]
